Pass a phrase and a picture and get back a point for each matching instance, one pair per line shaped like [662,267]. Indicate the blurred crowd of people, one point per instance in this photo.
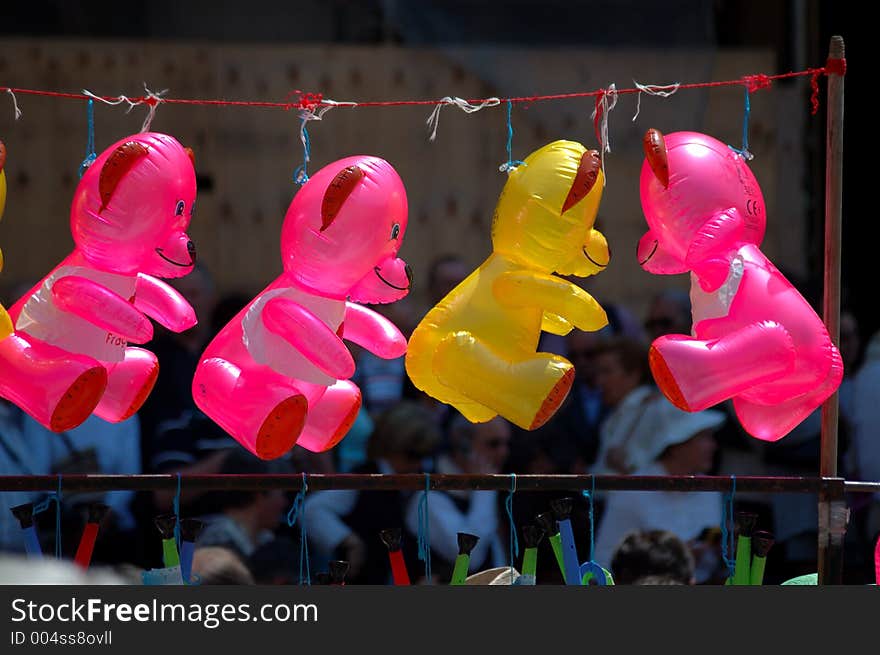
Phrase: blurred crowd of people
[614,421]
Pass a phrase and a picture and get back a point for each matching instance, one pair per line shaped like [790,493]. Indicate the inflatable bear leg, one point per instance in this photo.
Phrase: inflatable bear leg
[261,409]
[772,422]
[129,383]
[59,389]
[331,417]
[695,374]
[420,369]
[526,392]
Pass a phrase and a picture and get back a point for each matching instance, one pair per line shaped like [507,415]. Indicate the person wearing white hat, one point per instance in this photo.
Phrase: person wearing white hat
[683,444]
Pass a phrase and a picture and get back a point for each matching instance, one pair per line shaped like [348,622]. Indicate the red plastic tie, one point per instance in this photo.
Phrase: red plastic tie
[757,82]
[836,66]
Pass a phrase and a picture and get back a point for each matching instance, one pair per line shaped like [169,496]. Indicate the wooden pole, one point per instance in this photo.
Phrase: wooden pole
[831,306]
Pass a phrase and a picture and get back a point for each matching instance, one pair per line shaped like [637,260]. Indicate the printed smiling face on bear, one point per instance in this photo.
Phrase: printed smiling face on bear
[133,205]
[545,215]
[337,251]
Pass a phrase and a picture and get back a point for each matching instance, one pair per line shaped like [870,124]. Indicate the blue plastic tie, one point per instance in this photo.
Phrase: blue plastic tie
[58,520]
[745,149]
[298,513]
[90,145]
[727,546]
[424,536]
[44,505]
[510,164]
[514,541]
[176,506]
[301,174]
[589,495]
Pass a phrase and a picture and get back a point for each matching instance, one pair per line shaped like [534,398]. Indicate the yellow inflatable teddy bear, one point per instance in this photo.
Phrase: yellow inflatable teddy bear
[5,322]
[476,350]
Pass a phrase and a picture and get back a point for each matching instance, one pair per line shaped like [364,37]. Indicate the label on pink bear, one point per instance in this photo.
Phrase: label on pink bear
[271,350]
[41,318]
[717,303]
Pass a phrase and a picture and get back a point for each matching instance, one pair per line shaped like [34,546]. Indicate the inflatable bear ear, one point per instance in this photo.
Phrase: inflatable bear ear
[116,167]
[584,179]
[655,152]
[337,193]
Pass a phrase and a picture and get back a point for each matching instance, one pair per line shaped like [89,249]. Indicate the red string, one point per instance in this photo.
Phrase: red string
[837,66]
[756,82]
[309,101]
[814,95]
[312,101]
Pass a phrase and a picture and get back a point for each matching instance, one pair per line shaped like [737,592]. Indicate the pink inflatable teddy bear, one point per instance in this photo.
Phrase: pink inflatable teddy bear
[755,339]
[277,374]
[69,354]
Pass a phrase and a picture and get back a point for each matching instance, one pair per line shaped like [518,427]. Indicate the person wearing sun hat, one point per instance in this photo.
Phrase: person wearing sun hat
[683,444]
